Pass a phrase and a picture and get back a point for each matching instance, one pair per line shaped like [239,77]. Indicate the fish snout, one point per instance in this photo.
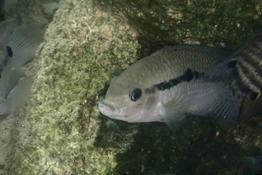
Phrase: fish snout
[106,108]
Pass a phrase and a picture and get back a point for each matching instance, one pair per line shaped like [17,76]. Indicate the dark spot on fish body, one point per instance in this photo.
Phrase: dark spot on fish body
[189,75]
[9,51]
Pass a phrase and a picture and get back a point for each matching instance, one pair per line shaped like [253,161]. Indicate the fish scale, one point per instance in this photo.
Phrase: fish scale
[165,68]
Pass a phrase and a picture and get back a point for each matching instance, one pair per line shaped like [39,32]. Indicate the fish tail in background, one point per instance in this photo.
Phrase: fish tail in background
[246,64]
[19,94]
[23,44]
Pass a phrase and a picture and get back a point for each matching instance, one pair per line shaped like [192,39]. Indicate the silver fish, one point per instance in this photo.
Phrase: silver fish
[19,48]
[18,44]
[169,85]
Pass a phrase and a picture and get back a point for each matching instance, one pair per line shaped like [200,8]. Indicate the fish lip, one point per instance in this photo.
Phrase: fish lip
[110,111]
[102,103]
[107,109]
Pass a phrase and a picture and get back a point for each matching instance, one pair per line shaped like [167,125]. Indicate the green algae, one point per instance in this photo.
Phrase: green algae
[86,44]
[58,134]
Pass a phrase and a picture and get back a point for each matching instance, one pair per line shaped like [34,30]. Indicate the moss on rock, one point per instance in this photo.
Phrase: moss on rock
[83,46]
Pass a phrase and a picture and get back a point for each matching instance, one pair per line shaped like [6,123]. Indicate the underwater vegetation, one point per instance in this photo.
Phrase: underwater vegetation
[61,131]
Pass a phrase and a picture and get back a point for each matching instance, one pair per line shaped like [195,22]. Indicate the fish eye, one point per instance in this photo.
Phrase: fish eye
[135,94]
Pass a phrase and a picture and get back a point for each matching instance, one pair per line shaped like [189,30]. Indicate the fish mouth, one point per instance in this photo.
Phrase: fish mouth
[107,109]
[110,111]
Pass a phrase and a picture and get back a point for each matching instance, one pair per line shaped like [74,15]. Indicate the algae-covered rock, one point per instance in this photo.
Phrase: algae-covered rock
[87,43]
[83,46]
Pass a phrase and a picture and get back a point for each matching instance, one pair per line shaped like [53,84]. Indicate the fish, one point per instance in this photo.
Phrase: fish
[19,49]
[171,84]
[18,46]
[246,65]
[244,75]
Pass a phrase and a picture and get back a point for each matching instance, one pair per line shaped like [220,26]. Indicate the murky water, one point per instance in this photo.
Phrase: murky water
[59,130]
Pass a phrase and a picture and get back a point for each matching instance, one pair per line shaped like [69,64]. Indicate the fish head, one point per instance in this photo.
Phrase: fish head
[131,102]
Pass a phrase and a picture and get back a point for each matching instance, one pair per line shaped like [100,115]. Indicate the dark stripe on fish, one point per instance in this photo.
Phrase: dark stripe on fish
[254,81]
[251,68]
[186,77]
[241,84]
[253,59]
[247,68]
[255,71]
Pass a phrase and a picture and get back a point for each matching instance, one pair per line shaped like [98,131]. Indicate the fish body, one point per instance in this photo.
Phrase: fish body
[18,44]
[169,84]
[18,48]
